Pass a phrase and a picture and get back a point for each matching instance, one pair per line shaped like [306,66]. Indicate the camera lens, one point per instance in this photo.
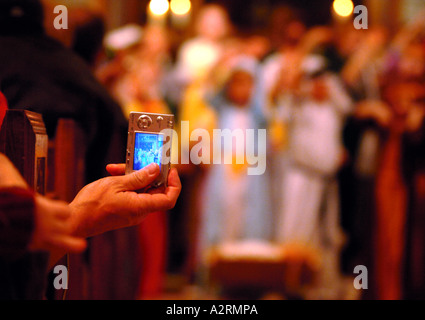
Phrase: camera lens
[144,122]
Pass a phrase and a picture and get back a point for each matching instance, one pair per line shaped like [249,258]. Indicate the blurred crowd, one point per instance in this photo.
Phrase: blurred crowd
[344,111]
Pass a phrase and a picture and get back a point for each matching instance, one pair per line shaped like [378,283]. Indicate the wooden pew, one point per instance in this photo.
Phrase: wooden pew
[23,139]
[66,161]
[66,177]
[54,167]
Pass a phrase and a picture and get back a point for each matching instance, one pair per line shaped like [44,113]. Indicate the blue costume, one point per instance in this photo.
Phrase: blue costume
[236,205]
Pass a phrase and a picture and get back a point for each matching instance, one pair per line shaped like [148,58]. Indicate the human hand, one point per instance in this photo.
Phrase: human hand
[53,229]
[113,203]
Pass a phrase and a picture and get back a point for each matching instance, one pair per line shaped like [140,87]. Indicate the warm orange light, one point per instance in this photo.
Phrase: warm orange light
[180,7]
[343,8]
[159,7]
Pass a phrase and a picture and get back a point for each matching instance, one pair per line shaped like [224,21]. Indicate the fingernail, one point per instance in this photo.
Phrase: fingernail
[152,168]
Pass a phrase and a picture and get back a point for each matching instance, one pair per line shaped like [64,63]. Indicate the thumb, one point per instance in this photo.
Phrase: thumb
[140,179]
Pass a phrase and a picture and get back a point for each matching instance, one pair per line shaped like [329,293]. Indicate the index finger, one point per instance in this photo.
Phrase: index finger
[173,189]
[116,169]
[168,199]
[174,184]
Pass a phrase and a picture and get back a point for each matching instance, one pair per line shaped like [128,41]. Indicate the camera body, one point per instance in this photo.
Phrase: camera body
[149,141]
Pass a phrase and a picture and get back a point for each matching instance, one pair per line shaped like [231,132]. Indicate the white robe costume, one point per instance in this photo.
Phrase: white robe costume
[310,198]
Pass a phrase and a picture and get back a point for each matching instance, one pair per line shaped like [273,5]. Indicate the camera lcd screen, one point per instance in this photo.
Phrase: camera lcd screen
[147,149]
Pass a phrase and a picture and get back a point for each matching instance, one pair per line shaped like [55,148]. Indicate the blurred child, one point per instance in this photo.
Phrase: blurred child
[235,205]
[310,205]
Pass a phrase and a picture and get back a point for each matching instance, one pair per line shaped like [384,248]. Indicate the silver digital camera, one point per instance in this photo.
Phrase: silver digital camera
[149,141]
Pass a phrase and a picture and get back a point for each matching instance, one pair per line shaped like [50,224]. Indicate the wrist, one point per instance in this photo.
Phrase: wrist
[77,222]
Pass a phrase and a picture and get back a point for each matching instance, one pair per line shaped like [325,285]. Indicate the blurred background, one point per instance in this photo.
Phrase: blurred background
[343,108]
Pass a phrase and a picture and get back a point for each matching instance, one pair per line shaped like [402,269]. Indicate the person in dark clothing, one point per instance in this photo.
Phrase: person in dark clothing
[88,37]
[38,73]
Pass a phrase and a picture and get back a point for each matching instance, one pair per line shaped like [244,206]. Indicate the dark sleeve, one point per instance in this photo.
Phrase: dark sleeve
[17,209]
